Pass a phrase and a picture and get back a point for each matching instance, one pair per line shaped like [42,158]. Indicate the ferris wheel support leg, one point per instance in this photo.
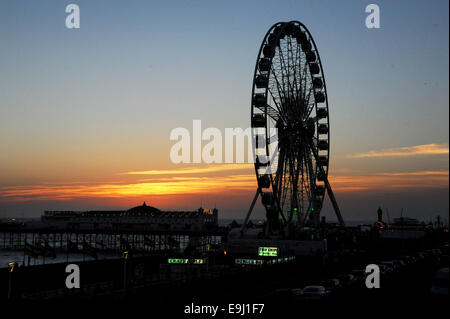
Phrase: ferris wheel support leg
[337,211]
[334,202]
[244,225]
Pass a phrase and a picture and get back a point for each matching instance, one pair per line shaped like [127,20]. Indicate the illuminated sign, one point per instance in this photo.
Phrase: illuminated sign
[267,251]
[178,261]
[186,261]
[243,261]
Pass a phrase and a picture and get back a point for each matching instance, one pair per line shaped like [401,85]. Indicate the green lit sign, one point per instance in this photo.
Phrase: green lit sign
[267,251]
[240,261]
[186,261]
[178,261]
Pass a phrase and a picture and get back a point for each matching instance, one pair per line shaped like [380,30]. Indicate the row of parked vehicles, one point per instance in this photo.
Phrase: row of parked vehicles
[325,288]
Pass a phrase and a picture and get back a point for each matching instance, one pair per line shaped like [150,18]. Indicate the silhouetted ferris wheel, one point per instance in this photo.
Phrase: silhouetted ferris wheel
[289,116]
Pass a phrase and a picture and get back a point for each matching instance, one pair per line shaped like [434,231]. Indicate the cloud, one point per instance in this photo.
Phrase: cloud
[156,187]
[419,173]
[201,170]
[425,149]
[400,181]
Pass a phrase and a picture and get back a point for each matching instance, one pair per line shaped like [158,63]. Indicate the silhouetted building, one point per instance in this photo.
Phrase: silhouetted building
[380,214]
[139,217]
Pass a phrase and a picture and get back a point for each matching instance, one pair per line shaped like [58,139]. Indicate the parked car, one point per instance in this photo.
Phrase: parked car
[315,293]
[406,259]
[411,259]
[359,274]
[440,283]
[296,293]
[385,270]
[419,256]
[347,279]
[390,264]
[444,260]
[288,293]
[282,293]
[399,263]
[331,284]
[433,253]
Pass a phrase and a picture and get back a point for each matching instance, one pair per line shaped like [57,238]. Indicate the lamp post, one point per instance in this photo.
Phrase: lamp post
[125,257]
[11,266]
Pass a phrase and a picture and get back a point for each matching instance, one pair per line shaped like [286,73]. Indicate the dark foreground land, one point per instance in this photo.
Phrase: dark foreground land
[159,294]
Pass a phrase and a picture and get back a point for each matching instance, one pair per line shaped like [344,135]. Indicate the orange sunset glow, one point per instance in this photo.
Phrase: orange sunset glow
[87,115]
[226,179]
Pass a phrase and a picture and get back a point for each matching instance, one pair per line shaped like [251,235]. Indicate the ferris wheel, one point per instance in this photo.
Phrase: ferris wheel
[290,119]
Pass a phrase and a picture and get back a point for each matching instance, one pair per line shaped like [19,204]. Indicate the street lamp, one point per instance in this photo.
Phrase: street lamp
[11,266]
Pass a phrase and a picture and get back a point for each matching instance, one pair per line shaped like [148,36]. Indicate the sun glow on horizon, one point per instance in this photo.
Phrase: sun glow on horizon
[203,185]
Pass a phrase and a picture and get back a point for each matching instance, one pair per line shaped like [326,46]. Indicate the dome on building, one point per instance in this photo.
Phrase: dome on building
[143,210]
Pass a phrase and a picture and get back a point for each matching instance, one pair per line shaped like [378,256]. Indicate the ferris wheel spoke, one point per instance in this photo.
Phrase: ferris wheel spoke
[301,182]
[286,68]
[280,94]
[306,89]
[310,106]
[282,69]
[291,179]
[295,84]
[297,162]
[280,171]
[306,176]
[292,69]
[299,171]
[311,174]
[296,65]
[277,109]
[294,181]
[284,186]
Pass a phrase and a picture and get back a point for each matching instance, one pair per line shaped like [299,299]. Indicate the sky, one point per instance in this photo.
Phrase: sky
[86,114]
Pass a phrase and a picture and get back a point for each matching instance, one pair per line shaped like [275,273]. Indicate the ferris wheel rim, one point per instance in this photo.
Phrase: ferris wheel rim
[310,39]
